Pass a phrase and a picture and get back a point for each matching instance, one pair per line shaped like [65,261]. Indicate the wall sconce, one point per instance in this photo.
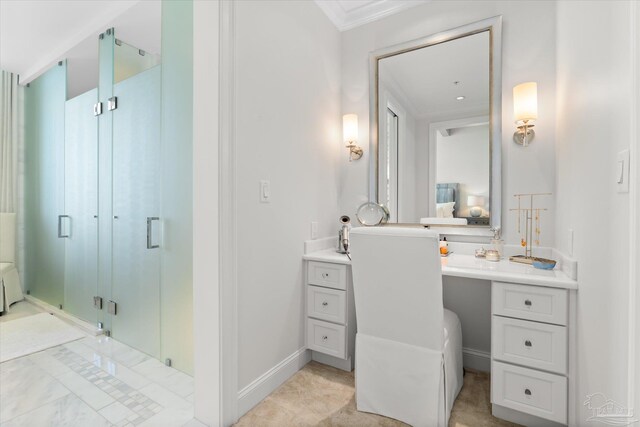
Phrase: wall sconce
[525,109]
[475,204]
[350,132]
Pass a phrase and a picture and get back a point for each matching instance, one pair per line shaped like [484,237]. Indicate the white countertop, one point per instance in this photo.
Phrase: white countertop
[460,265]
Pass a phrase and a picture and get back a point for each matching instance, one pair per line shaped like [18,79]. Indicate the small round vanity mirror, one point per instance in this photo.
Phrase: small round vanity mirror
[372,214]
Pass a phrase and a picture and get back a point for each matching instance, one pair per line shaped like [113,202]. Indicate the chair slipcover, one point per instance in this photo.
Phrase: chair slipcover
[408,347]
[9,278]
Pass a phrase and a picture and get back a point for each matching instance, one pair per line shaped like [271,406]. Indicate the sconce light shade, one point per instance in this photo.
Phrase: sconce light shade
[350,128]
[525,102]
[475,201]
[525,110]
[350,133]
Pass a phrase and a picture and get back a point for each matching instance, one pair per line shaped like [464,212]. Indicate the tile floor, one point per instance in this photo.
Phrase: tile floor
[93,381]
[20,309]
[98,381]
[319,395]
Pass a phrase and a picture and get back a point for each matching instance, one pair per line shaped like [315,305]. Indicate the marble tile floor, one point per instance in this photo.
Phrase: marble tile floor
[319,395]
[20,309]
[93,381]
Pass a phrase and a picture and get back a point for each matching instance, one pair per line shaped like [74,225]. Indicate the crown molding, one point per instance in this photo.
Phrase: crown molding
[374,10]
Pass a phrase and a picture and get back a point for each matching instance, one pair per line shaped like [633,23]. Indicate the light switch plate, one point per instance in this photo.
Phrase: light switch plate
[622,171]
[570,242]
[265,191]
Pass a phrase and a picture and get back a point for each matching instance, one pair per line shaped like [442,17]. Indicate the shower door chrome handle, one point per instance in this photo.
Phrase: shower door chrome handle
[60,235]
[150,220]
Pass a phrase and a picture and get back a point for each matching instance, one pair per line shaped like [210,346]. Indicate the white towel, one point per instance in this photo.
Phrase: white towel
[443,221]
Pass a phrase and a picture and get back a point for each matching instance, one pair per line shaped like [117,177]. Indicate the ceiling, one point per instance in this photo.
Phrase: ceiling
[347,14]
[424,79]
[35,34]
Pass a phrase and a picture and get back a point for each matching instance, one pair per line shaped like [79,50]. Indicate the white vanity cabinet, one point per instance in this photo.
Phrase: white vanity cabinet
[330,314]
[532,330]
[529,350]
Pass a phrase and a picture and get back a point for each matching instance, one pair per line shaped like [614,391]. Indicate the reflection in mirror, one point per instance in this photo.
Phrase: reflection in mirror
[437,125]
[462,163]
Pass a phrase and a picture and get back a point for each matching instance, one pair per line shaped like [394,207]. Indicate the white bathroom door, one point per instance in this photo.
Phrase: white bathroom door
[391,165]
[136,207]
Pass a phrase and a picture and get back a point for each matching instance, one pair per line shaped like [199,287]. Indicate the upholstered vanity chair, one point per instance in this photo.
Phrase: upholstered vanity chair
[10,290]
[408,362]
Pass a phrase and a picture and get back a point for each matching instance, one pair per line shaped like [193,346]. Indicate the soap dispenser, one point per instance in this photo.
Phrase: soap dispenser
[444,247]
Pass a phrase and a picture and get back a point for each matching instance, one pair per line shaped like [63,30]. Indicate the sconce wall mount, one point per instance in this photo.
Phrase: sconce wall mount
[355,152]
[525,133]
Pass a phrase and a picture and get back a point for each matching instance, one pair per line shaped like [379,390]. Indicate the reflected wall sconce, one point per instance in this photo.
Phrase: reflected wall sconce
[525,110]
[475,204]
[350,132]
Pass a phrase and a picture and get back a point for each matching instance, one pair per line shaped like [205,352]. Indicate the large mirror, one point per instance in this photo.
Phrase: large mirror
[435,117]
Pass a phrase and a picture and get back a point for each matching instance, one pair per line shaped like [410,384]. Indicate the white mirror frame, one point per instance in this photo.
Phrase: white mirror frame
[494,26]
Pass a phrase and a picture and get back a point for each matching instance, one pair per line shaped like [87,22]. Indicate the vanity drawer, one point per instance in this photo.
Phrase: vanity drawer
[532,344]
[327,274]
[530,302]
[327,338]
[533,392]
[327,304]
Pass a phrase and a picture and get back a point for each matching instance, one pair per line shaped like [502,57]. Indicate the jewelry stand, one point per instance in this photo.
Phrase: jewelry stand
[527,219]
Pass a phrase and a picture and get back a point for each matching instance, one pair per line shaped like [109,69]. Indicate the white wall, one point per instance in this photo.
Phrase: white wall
[635,174]
[594,72]
[288,131]
[527,54]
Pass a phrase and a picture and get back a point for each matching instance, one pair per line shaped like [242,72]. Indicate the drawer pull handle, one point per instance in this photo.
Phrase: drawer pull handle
[324,304]
[324,338]
[527,303]
[527,343]
[527,392]
[325,275]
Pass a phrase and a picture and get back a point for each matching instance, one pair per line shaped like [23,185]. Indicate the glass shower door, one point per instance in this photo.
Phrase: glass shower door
[136,201]
[81,206]
[45,225]
[144,263]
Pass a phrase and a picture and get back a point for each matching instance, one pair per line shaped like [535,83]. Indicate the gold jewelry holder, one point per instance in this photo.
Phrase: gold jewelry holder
[529,222]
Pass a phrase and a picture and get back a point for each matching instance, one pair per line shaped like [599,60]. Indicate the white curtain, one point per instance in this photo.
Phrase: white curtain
[10,120]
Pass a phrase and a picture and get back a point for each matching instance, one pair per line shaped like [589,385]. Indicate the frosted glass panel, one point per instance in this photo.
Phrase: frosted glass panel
[136,197]
[177,125]
[44,185]
[105,189]
[81,205]
[129,61]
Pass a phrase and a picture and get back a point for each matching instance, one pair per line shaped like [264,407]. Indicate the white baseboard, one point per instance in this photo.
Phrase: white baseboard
[476,360]
[325,359]
[85,326]
[264,385]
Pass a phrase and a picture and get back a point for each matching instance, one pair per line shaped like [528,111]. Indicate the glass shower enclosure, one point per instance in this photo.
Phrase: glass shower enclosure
[129,220]
[103,172]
